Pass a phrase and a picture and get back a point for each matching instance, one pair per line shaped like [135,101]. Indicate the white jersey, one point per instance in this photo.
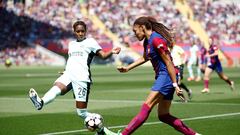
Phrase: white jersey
[176,54]
[193,53]
[80,55]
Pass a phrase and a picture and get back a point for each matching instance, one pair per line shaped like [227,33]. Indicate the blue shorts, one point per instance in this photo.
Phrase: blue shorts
[203,61]
[163,84]
[216,66]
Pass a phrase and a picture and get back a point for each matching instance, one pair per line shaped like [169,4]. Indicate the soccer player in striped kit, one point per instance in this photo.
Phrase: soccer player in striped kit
[157,38]
[77,73]
[214,64]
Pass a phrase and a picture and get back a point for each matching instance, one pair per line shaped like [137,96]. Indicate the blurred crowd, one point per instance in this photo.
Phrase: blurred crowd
[219,17]
[22,56]
[44,22]
[49,22]
[59,15]
[118,16]
[20,30]
[215,17]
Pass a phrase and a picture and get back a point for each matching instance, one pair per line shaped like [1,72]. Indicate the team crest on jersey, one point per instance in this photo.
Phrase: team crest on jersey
[148,50]
[159,46]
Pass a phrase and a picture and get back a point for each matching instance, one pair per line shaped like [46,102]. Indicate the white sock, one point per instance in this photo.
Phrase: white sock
[190,71]
[83,113]
[198,72]
[51,95]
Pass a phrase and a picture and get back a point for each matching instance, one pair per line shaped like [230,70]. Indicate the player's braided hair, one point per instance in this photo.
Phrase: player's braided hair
[79,23]
[151,23]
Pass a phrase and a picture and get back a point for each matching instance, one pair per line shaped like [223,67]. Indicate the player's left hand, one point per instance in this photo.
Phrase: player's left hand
[116,50]
[122,69]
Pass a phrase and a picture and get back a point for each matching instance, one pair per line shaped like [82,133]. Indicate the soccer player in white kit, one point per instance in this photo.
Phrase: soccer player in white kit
[178,57]
[77,73]
[193,60]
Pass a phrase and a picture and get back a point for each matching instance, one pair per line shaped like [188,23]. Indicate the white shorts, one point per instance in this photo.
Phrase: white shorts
[80,89]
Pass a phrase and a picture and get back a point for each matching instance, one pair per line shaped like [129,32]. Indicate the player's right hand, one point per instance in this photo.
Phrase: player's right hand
[122,69]
[116,50]
[179,93]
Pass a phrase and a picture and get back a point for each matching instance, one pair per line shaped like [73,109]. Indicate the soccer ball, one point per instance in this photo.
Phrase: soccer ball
[93,122]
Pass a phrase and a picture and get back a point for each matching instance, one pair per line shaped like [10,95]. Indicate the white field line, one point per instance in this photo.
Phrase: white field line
[95,74]
[72,100]
[31,75]
[117,101]
[149,123]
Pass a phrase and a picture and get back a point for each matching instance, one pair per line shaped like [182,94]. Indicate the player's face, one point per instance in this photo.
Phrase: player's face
[215,41]
[80,32]
[138,31]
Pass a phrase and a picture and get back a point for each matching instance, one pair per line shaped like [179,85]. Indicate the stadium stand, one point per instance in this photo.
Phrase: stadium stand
[48,22]
[41,24]
[127,11]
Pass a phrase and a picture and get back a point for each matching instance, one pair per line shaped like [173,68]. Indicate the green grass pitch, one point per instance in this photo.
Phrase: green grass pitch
[117,97]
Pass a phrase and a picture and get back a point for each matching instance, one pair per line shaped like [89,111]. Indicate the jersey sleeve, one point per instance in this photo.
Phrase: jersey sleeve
[160,45]
[94,46]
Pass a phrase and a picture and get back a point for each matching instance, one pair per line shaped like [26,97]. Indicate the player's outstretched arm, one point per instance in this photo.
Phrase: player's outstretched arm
[105,55]
[138,62]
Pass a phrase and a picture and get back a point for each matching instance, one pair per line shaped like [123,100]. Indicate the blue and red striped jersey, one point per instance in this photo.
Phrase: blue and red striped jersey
[156,45]
[211,50]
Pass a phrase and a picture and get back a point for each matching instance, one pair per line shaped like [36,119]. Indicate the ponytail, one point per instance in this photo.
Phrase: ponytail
[151,23]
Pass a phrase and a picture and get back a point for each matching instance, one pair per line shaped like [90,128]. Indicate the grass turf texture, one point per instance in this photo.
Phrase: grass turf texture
[117,97]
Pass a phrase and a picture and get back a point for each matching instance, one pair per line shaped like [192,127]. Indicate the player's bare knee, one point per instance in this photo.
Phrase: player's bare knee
[162,117]
[62,87]
[64,91]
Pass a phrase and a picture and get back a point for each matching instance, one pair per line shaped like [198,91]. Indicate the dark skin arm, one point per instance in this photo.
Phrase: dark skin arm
[105,55]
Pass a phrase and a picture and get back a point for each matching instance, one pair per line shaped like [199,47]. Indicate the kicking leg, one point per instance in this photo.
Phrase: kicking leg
[36,100]
[49,96]
[142,116]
